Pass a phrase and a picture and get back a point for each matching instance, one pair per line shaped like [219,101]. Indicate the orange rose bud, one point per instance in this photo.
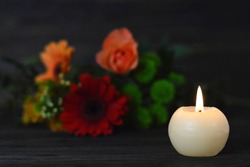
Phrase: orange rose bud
[119,52]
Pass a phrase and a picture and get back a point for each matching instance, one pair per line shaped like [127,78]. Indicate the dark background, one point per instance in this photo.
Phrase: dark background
[218,32]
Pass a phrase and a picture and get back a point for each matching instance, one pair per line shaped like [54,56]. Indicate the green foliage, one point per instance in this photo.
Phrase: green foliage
[143,118]
[144,45]
[17,85]
[176,78]
[50,98]
[159,113]
[146,70]
[181,51]
[157,78]
[151,86]
[48,105]
[133,92]
[167,59]
[28,69]
[162,91]
[152,56]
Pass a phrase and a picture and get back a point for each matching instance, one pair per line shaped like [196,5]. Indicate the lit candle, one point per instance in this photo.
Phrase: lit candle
[198,131]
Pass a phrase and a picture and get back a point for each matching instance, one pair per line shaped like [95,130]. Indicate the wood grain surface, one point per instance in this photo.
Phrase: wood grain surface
[37,146]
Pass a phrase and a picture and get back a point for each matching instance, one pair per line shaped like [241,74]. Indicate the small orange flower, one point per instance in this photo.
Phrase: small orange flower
[55,124]
[119,52]
[30,115]
[56,58]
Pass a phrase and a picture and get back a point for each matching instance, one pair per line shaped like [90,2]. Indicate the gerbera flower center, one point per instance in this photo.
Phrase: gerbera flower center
[94,110]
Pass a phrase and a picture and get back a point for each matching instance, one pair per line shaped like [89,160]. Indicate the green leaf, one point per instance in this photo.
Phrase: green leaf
[31,61]
[146,70]
[143,117]
[143,45]
[165,41]
[160,113]
[27,69]
[181,51]
[6,81]
[176,78]
[167,58]
[15,63]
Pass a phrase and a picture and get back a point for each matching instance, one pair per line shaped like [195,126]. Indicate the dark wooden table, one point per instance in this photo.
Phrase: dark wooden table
[37,146]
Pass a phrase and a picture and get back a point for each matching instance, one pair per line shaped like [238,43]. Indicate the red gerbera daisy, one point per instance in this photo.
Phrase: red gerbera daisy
[93,107]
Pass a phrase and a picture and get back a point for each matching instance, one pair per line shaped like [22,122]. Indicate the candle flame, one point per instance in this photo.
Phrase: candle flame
[199,107]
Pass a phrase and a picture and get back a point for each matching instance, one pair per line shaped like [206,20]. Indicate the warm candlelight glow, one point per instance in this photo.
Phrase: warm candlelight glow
[199,107]
[198,131]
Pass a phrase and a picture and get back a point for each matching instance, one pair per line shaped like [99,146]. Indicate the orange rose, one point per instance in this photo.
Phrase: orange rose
[56,58]
[119,52]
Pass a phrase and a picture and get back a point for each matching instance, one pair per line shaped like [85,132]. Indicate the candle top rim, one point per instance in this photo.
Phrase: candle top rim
[192,108]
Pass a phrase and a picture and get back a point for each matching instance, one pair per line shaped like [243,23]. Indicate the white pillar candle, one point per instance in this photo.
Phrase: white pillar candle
[198,131]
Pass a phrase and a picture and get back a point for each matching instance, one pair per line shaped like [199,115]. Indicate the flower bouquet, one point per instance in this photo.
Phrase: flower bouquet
[130,85]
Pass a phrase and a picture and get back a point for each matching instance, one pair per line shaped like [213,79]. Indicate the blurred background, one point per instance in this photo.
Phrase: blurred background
[217,32]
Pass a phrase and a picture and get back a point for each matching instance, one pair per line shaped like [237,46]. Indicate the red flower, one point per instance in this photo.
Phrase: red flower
[93,107]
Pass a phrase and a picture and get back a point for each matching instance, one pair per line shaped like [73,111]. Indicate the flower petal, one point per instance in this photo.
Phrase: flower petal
[82,100]
[119,52]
